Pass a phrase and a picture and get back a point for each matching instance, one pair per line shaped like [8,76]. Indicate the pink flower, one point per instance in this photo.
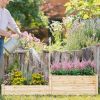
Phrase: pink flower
[36,39]
[93,64]
[69,66]
[76,64]
[82,65]
[73,65]
[30,37]
[25,34]
[56,66]
[66,65]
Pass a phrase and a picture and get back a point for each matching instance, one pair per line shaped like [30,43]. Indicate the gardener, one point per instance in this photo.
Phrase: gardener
[6,21]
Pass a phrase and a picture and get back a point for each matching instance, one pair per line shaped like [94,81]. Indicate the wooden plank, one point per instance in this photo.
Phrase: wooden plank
[45,63]
[73,93]
[97,60]
[25,90]
[55,57]
[65,56]
[87,54]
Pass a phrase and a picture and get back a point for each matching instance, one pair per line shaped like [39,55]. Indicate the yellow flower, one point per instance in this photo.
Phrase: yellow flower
[85,16]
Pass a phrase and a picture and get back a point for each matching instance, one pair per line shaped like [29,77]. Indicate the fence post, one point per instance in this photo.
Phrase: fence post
[97,60]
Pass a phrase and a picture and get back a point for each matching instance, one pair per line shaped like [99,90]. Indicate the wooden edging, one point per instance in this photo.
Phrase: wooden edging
[58,85]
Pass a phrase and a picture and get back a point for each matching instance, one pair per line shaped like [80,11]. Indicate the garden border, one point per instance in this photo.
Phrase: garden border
[58,85]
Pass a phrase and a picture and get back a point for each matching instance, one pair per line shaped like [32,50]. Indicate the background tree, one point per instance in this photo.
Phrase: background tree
[83,9]
[26,12]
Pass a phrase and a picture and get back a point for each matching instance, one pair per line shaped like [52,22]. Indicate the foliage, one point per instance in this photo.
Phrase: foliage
[39,46]
[14,65]
[98,34]
[75,41]
[17,78]
[84,25]
[26,12]
[38,79]
[83,9]
[51,9]
[51,97]
[56,29]
[82,34]
[79,40]
[73,68]
[29,41]
[77,35]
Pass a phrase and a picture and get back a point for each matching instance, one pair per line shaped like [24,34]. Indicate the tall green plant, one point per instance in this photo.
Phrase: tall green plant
[80,39]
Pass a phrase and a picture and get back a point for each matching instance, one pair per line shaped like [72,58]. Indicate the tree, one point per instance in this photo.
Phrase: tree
[83,9]
[26,12]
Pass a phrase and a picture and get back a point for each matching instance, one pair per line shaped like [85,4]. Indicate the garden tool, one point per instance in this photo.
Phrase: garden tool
[12,44]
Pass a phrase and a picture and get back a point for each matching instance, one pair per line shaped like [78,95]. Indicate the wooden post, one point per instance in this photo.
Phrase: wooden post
[97,60]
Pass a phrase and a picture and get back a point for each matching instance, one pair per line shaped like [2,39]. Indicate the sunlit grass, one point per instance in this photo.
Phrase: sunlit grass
[50,97]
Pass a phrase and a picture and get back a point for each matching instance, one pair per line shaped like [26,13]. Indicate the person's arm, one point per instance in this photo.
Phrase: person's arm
[4,33]
[12,24]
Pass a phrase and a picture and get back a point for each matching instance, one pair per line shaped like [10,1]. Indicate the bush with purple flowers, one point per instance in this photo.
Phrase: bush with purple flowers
[74,68]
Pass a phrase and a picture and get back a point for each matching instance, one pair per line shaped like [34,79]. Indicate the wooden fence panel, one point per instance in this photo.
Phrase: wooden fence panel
[29,64]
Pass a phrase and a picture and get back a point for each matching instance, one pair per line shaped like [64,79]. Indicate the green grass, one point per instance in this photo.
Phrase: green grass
[50,97]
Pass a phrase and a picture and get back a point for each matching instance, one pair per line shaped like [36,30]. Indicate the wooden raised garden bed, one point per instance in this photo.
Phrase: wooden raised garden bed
[58,85]
[74,85]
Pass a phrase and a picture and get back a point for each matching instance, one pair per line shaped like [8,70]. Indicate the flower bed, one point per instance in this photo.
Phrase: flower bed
[19,85]
[73,68]
[68,78]
[74,78]
[58,85]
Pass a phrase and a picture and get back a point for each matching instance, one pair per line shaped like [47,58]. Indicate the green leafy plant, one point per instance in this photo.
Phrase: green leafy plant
[56,29]
[14,65]
[38,79]
[83,36]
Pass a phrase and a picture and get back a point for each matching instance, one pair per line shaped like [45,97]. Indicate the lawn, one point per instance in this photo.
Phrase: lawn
[50,97]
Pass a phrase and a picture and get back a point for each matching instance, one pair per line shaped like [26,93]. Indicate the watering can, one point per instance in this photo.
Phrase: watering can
[11,44]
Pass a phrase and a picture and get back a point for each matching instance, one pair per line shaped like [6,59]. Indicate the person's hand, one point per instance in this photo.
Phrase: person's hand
[8,35]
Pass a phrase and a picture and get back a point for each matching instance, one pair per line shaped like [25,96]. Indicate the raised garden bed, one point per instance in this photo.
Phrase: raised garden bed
[58,85]
[74,85]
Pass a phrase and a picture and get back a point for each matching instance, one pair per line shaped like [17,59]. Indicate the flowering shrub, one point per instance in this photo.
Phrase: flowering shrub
[38,79]
[17,78]
[73,68]
[28,41]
